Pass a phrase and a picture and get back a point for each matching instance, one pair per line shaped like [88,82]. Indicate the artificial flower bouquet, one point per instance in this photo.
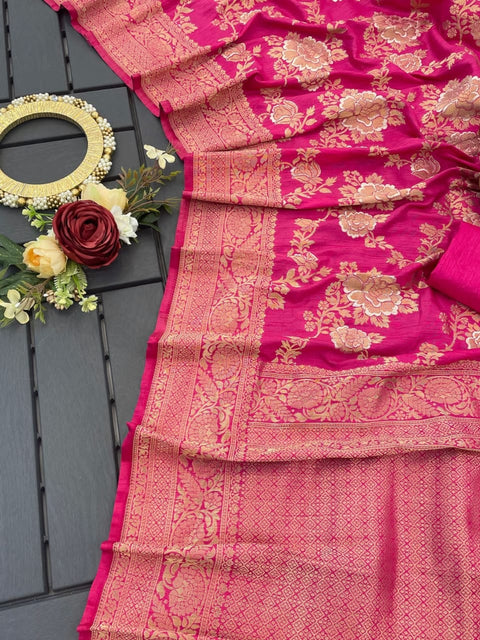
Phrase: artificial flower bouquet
[85,233]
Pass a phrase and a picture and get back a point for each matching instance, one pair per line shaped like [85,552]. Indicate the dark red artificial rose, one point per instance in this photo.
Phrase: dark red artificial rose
[87,233]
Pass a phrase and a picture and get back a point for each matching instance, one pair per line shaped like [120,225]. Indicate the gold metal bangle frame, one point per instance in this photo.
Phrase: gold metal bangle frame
[93,167]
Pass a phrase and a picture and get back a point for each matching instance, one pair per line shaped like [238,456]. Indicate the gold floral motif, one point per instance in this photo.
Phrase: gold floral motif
[371,394]
[473,340]
[409,62]
[376,294]
[304,58]
[285,112]
[305,169]
[248,176]
[243,57]
[364,112]
[424,165]
[307,268]
[182,16]
[233,14]
[290,349]
[460,100]
[465,21]
[357,115]
[413,61]
[459,324]
[351,340]
[313,11]
[371,191]
[459,202]
[401,32]
[175,591]
[466,141]
[385,39]
[307,53]
[451,111]
[357,224]
[429,249]
[364,297]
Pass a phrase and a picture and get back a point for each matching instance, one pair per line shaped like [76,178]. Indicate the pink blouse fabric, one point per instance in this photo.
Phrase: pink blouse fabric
[457,273]
[303,460]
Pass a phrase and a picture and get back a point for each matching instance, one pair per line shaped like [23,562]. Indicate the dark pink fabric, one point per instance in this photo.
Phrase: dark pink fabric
[457,273]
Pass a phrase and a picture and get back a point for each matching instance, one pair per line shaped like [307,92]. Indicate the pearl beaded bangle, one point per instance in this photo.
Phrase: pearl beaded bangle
[93,168]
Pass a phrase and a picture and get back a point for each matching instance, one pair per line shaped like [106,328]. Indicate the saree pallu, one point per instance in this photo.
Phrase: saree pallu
[303,460]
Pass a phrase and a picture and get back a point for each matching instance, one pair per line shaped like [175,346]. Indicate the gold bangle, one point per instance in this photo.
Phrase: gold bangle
[93,168]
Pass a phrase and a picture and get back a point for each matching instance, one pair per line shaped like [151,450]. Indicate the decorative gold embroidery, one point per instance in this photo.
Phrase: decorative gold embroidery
[460,323]
[313,11]
[243,57]
[307,268]
[459,202]
[304,58]
[233,14]
[290,395]
[285,112]
[375,297]
[182,16]
[248,176]
[358,115]
[371,191]
[290,349]
[454,108]
[401,32]
[429,249]
[465,20]
[306,170]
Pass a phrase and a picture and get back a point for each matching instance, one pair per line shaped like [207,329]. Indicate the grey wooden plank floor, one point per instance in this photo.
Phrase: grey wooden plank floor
[67,389]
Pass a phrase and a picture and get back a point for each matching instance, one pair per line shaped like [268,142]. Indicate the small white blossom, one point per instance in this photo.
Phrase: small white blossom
[88,304]
[158,154]
[127,225]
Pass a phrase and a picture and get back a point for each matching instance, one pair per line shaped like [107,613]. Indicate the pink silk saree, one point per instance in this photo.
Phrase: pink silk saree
[304,458]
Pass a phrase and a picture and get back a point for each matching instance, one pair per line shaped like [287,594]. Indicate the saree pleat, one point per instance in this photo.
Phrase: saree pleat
[303,459]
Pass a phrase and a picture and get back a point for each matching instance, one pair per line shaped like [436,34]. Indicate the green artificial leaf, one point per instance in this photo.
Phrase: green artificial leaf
[149,218]
[80,281]
[16,280]
[39,309]
[10,252]
[64,280]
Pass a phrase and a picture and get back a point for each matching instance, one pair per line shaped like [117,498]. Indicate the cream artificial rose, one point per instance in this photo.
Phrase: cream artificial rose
[44,256]
[107,198]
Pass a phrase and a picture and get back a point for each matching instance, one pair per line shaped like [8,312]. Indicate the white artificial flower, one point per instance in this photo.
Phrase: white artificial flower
[127,225]
[158,154]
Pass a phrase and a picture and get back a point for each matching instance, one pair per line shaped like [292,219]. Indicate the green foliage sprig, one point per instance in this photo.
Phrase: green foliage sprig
[142,187]
[25,290]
